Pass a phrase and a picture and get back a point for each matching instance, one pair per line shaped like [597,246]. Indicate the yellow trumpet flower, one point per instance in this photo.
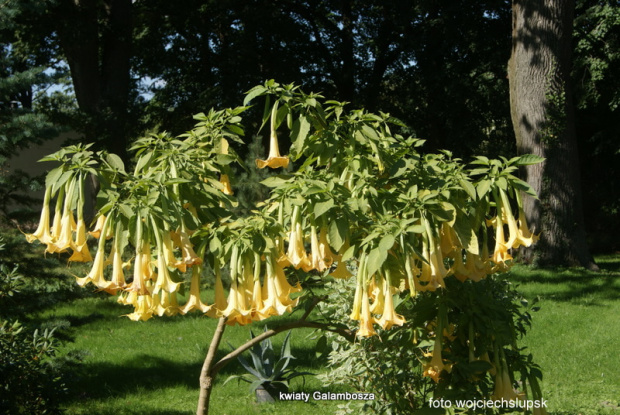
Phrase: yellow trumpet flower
[165,304]
[237,310]
[257,302]
[275,299]
[435,366]
[376,295]
[118,276]
[220,302]
[448,239]
[65,238]
[143,308]
[366,319]
[296,252]
[413,274]
[181,240]
[42,233]
[321,257]
[284,288]
[142,271]
[96,232]
[389,317]
[274,159]
[225,182]
[95,275]
[341,270]
[500,253]
[324,250]
[526,237]
[164,281]
[81,253]
[194,303]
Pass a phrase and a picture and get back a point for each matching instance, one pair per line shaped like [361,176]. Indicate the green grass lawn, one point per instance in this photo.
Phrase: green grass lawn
[153,367]
[576,335]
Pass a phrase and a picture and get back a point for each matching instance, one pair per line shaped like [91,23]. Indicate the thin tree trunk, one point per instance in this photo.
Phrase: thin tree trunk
[206,376]
[543,118]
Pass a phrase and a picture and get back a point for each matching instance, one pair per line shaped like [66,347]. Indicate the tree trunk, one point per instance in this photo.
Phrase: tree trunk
[96,40]
[207,376]
[543,118]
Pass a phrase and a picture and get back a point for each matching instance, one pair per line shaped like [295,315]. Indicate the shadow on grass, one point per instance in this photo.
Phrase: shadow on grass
[132,377]
[572,284]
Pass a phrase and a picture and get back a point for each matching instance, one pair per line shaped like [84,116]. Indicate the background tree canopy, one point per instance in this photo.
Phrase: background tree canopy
[441,67]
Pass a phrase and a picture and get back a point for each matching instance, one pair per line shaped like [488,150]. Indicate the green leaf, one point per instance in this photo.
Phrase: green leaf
[376,258]
[338,233]
[386,243]
[370,132]
[468,187]
[143,161]
[322,207]
[276,181]
[301,128]
[116,162]
[523,186]
[253,93]
[529,159]
[281,114]
[53,176]
[482,188]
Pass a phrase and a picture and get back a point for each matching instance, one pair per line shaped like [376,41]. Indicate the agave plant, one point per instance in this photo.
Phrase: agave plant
[265,373]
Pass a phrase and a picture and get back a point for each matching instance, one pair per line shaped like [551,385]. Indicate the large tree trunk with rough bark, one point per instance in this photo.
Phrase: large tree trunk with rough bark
[543,118]
[96,38]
